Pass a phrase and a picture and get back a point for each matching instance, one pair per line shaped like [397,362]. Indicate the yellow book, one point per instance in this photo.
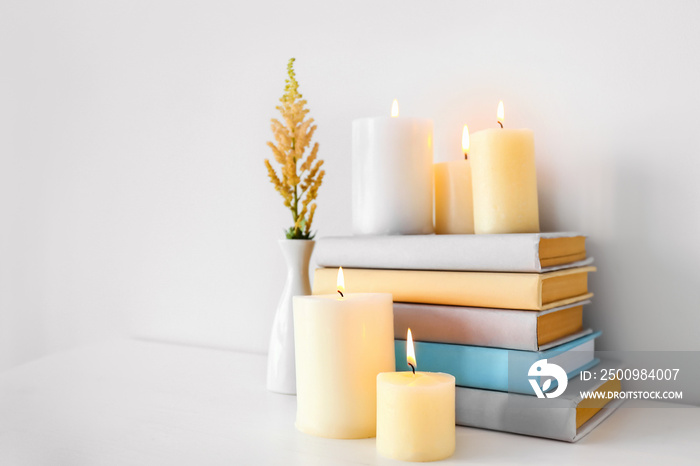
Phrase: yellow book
[528,291]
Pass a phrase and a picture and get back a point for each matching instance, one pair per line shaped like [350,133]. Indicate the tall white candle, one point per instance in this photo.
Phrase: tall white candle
[342,343]
[392,175]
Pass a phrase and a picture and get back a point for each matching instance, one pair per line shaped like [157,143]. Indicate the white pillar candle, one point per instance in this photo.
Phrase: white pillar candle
[504,181]
[415,415]
[392,176]
[453,194]
[341,343]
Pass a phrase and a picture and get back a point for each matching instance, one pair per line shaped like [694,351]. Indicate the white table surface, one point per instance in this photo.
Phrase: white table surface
[142,403]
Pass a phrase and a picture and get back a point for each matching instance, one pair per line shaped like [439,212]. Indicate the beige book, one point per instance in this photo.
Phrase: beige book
[496,328]
[528,291]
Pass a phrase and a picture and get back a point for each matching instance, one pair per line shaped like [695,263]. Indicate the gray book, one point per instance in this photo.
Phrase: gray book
[558,418]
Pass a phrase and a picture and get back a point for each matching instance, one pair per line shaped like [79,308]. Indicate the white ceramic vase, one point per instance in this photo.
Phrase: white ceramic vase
[281,368]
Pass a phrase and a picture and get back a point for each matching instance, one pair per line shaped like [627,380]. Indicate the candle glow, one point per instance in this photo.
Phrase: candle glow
[395,109]
[465,141]
[500,113]
[340,282]
[410,351]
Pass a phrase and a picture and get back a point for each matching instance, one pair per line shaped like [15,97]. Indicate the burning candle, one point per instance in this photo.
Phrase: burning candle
[342,342]
[392,175]
[504,180]
[453,194]
[415,413]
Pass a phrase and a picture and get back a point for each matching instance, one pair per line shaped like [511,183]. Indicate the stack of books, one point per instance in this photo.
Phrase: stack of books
[486,308]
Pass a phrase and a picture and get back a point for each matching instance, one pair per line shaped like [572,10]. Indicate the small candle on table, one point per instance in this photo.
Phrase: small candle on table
[415,413]
[504,180]
[342,342]
[392,175]
[453,194]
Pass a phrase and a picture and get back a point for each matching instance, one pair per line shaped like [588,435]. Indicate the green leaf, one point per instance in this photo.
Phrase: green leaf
[293,233]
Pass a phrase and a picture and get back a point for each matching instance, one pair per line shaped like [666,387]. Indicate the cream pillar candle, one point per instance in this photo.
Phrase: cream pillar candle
[415,414]
[453,194]
[341,343]
[392,175]
[504,181]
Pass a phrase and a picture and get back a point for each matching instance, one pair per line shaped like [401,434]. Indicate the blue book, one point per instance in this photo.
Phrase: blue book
[505,370]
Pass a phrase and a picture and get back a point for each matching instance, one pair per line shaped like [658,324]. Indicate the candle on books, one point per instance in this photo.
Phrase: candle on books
[453,194]
[392,175]
[342,342]
[504,180]
[415,413]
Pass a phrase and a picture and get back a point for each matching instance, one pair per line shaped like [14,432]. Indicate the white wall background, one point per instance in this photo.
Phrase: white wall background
[134,198]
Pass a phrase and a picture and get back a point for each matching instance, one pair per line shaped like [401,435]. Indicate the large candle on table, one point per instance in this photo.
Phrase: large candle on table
[504,180]
[342,342]
[415,413]
[453,194]
[392,175]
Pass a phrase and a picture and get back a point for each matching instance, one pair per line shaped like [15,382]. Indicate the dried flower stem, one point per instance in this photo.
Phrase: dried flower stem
[300,175]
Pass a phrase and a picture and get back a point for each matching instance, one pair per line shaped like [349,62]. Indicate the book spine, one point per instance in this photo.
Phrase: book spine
[467,326]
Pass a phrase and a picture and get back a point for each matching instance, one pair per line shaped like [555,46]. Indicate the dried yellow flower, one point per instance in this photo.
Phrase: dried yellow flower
[300,177]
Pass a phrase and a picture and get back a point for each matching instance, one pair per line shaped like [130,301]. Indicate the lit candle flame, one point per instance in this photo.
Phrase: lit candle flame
[465,141]
[501,114]
[395,109]
[341,282]
[410,352]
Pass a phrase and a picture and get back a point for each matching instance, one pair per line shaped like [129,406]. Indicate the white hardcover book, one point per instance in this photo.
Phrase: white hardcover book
[526,252]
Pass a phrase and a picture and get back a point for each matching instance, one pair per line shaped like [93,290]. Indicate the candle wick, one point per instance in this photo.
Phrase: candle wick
[500,124]
[414,369]
[341,294]
[466,156]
